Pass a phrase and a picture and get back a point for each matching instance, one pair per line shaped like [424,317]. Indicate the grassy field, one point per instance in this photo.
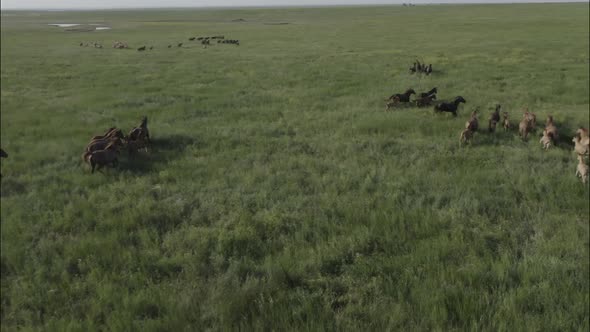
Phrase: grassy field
[278,194]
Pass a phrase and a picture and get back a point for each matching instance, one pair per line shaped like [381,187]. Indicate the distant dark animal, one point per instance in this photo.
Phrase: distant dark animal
[492,126]
[494,119]
[192,38]
[426,94]
[419,66]
[3,154]
[200,38]
[169,46]
[143,125]
[81,44]
[450,107]
[391,103]
[403,97]
[399,98]
[425,101]
[179,44]
[151,48]
[496,115]
[141,48]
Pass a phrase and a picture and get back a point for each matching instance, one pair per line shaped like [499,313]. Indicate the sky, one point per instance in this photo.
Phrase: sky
[107,4]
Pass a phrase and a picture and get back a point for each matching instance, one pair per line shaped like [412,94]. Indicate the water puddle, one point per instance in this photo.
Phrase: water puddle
[80,27]
[64,25]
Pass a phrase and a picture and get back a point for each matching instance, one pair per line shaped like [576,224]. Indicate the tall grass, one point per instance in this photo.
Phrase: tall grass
[278,193]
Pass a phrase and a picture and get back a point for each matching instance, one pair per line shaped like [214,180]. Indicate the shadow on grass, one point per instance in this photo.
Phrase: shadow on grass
[435,72]
[399,106]
[566,133]
[565,141]
[173,143]
[11,187]
[500,137]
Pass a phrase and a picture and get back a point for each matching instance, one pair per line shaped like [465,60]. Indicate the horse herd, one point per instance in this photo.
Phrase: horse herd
[527,125]
[104,149]
[205,41]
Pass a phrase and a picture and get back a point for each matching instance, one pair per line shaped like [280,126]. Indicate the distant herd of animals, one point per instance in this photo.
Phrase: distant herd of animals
[205,41]
[527,125]
[420,68]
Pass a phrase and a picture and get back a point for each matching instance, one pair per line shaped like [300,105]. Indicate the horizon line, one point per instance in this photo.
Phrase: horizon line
[448,2]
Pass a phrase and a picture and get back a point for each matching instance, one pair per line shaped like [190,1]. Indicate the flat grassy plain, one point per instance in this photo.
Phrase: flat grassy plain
[278,194]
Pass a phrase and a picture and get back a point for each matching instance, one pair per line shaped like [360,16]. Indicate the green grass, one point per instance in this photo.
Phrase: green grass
[278,194]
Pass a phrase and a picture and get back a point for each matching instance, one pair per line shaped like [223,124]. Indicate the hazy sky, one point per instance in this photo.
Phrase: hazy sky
[88,4]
